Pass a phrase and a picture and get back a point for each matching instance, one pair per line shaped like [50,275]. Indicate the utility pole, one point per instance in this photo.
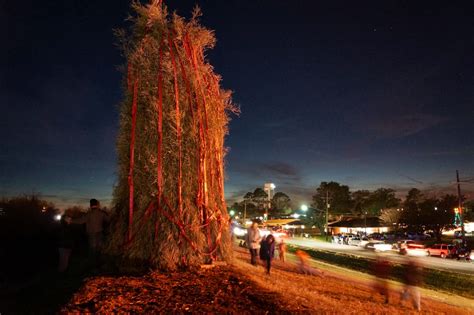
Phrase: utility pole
[245,211]
[327,212]
[460,209]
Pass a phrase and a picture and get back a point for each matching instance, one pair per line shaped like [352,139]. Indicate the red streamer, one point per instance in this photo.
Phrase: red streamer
[203,147]
[212,167]
[186,82]
[132,158]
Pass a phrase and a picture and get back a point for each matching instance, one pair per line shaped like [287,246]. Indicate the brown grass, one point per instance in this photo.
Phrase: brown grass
[334,292]
[241,288]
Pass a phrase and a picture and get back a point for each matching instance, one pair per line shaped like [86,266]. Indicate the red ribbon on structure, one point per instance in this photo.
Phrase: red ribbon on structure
[212,167]
[203,146]
[132,157]
[159,153]
[186,82]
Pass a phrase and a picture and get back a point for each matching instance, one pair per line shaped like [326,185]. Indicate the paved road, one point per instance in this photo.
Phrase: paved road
[429,262]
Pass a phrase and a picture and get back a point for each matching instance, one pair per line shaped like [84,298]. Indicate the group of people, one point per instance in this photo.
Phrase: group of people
[260,246]
[94,221]
[344,238]
[264,247]
[340,239]
[412,278]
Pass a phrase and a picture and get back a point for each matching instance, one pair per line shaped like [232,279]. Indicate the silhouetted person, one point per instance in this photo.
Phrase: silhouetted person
[382,271]
[94,219]
[253,239]
[65,243]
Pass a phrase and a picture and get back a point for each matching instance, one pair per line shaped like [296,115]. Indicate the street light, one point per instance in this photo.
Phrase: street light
[268,187]
[304,208]
[365,223]
[231,212]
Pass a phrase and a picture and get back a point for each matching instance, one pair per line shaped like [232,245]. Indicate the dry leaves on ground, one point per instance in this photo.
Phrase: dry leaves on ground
[219,289]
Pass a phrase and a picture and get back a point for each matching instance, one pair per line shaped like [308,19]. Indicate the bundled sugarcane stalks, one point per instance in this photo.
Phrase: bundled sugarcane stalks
[169,199]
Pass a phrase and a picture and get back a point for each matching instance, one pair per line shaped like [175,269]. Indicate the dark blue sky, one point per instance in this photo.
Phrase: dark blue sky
[368,93]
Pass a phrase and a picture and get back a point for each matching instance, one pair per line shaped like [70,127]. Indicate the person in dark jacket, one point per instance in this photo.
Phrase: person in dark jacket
[65,243]
[267,251]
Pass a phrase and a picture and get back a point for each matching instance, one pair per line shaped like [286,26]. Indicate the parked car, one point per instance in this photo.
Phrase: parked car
[414,249]
[442,250]
[375,236]
[401,245]
[419,236]
[354,241]
[363,242]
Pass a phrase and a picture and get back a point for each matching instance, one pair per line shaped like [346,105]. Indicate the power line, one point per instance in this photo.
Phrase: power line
[410,178]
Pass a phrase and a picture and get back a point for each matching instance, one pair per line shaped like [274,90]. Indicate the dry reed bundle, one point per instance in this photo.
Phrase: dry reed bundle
[169,200]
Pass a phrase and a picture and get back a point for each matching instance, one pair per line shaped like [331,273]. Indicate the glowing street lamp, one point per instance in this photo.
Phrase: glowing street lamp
[268,187]
[231,212]
[304,208]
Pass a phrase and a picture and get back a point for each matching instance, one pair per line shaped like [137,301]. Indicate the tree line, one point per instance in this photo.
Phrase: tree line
[417,211]
[254,204]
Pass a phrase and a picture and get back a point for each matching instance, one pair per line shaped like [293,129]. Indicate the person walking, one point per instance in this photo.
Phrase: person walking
[267,251]
[381,270]
[413,279]
[94,220]
[282,250]
[303,258]
[304,266]
[253,239]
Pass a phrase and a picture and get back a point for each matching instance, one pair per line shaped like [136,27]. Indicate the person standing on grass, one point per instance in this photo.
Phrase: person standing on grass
[282,250]
[413,279]
[253,239]
[65,243]
[267,251]
[94,221]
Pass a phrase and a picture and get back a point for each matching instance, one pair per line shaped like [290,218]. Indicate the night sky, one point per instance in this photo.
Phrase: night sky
[367,93]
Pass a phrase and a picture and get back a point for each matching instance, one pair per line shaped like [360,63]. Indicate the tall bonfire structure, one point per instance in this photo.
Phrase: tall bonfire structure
[169,199]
